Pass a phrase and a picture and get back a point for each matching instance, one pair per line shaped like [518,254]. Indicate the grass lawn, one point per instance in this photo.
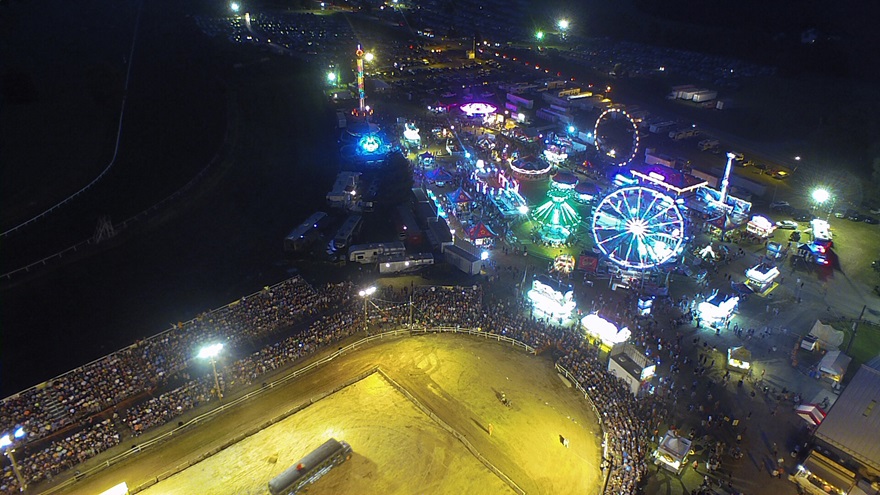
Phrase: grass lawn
[865,347]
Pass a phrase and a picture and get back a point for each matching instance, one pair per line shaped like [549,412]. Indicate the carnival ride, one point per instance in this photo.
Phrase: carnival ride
[557,217]
[611,139]
[638,228]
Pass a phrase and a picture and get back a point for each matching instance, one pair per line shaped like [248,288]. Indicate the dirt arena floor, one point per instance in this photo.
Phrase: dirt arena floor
[370,415]
[397,447]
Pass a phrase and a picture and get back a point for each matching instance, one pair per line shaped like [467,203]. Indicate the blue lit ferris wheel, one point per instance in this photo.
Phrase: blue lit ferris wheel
[638,228]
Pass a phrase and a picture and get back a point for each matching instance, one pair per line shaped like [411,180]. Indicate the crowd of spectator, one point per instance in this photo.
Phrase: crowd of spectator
[338,314]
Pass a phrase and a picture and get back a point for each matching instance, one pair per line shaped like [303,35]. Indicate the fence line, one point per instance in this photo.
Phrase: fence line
[137,217]
[577,385]
[208,415]
[461,438]
[118,137]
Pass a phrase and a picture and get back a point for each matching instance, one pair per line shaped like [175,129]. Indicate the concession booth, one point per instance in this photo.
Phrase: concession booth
[672,452]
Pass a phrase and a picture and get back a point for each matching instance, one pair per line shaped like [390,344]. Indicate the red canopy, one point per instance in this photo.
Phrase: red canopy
[811,413]
[480,231]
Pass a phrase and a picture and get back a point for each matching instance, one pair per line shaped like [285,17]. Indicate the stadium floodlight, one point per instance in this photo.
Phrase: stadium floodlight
[7,441]
[366,293]
[211,352]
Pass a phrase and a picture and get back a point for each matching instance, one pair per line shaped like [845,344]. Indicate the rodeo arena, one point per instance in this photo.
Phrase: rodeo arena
[623,282]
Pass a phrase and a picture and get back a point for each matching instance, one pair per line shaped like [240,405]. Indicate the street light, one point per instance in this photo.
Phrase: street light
[211,352]
[235,6]
[821,195]
[563,25]
[365,294]
[7,441]
[369,57]
[539,35]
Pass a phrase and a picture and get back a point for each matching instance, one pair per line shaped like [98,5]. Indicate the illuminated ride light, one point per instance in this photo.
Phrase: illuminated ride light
[478,108]
[530,167]
[622,159]
[558,218]
[604,330]
[717,308]
[551,302]
[370,143]
[638,228]
[411,133]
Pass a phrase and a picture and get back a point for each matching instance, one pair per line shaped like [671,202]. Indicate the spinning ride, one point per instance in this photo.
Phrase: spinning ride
[638,228]
[558,218]
[611,140]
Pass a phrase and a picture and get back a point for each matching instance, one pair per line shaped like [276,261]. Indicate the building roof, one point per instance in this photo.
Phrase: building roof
[853,424]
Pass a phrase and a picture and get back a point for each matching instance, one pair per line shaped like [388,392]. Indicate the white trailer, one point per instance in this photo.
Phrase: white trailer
[402,263]
[370,253]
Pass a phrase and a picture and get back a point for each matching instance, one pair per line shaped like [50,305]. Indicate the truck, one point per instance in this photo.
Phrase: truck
[370,253]
[708,144]
[680,134]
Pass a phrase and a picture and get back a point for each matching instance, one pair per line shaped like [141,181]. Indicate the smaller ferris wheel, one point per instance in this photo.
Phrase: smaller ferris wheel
[638,228]
[615,149]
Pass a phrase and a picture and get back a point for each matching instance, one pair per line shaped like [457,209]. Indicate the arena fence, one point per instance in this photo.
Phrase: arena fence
[208,415]
[564,372]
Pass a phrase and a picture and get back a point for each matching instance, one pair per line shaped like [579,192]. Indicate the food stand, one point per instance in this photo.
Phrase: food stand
[760,278]
[739,358]
[672,452]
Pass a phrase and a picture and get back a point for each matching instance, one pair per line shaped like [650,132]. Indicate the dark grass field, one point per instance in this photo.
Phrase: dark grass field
[220,242]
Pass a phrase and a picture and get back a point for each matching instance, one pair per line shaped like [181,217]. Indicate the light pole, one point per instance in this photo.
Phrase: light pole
[563,26]
[365,294]
[7,441]
[820,196]
[211,353]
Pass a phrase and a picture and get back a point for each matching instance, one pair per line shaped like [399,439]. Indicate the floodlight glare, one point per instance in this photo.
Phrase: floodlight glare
[821,195]
[369,57]
[210,351]
[563,24]
[331,76]
[5,441]
[235,6]
[367,292]
[19,432]
[539,35]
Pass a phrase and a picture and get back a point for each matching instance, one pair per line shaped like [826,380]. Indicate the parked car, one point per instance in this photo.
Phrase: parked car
[778,205]
[871,220]
[787,224]
[800,215]
[855,217]
[875,210]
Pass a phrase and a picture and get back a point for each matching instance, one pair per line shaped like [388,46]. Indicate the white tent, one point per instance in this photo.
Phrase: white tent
[828,337]
[834,364]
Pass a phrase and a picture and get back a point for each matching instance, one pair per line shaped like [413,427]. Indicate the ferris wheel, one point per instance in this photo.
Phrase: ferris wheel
[638,227]
[604,143]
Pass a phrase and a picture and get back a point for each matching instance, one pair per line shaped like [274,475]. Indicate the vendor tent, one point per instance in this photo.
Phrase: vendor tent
[828,337]
[439,174]
[480,231]
[459,196]
[834,364]
[811,413]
